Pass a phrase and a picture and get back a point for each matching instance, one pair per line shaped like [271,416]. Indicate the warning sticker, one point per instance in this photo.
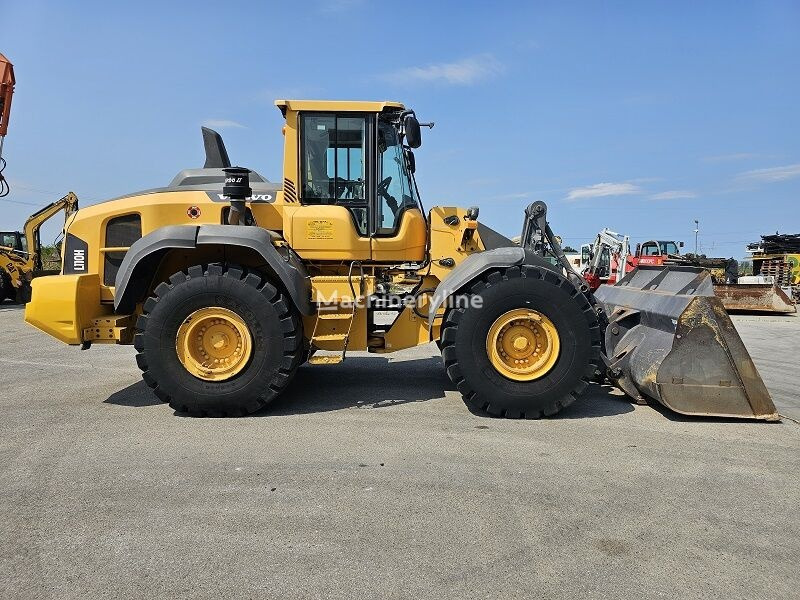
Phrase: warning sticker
[319,229]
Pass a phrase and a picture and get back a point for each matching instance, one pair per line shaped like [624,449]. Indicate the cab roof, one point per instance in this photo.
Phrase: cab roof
[337,105]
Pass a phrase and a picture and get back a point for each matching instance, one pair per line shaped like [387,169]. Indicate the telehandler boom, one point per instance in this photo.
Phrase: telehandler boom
[226,283]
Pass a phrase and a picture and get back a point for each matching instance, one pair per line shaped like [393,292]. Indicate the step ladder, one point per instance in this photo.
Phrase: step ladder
[334,323]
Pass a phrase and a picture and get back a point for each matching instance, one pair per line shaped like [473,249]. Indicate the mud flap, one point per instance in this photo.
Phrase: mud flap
[670,339]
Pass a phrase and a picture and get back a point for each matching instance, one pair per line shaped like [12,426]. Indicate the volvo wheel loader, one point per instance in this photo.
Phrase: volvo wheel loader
[226,283]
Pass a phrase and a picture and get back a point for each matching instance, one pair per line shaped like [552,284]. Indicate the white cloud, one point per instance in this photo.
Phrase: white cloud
[673,195]
[730,157]
[772,174]
[463,72]
[599,190]
[222,124]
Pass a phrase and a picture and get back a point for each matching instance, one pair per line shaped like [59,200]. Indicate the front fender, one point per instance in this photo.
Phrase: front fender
[470,269]
[476,265]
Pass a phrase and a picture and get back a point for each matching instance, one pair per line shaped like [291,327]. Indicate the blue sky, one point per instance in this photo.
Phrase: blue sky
[638,116]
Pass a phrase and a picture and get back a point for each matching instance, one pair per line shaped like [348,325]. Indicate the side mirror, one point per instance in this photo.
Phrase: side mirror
[413,134]
[411,162]
[680,244]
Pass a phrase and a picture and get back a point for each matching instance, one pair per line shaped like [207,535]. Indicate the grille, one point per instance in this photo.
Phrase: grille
[289,193]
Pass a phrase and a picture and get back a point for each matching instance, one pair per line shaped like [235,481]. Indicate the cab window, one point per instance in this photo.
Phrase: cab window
[333,162]
[604,264]
[650,249]
[396,192]
[670,248]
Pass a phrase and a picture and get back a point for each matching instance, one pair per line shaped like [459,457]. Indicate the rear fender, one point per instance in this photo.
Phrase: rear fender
[141,261]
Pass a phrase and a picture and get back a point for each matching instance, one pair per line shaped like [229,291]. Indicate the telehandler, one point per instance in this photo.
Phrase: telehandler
[226,283]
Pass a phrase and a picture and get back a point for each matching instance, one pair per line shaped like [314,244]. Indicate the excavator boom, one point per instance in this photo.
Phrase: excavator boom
[18,267]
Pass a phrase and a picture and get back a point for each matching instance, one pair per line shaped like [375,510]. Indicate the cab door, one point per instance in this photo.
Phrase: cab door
[332,222]
[400,229]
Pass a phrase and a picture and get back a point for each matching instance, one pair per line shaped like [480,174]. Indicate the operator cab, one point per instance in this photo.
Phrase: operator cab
[358,196]
[659,248]
[14,240]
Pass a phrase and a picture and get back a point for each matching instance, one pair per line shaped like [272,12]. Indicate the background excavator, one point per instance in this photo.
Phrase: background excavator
[22,256]
[609,258]
[225,283]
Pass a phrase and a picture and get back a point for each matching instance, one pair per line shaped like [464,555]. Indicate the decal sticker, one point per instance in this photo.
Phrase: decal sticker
[78,260]
[319,229]
[76,255]
[193,212]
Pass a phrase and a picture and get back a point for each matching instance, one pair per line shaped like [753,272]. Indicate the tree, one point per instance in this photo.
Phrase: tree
[569,249]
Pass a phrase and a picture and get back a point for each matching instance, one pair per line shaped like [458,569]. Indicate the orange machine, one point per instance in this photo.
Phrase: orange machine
[6,91]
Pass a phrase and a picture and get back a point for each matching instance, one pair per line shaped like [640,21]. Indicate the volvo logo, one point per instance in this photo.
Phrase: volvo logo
[253,198]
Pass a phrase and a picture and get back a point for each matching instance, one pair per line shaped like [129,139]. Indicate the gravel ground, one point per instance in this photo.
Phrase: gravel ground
[371,479]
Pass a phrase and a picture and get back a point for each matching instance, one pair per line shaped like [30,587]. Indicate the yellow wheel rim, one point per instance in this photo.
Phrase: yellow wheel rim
[214,344]
[523,344]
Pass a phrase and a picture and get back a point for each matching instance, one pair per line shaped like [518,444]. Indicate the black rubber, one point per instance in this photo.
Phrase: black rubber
[464,334]
[273,322]
[4,285]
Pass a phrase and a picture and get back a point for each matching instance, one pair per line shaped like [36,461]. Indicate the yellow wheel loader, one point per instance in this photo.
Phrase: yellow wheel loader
[21,253]
[226,283]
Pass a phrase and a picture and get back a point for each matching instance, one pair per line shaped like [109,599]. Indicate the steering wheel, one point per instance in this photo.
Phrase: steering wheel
[383,186]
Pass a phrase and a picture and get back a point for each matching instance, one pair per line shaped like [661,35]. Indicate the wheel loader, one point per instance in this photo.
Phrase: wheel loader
[226,283]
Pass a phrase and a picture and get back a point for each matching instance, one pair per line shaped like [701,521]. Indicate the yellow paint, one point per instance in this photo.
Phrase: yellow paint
[451,241]
[523,344]
[330,289]
[63,305]
[112,329]
[288,106]
[324,232]
[408,245]
[214,344]
[407,331]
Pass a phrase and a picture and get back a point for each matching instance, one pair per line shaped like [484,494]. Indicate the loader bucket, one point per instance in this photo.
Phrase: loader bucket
[669,339]
[754,297]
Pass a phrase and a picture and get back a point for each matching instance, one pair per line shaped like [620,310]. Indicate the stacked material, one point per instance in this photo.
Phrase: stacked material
[786,243]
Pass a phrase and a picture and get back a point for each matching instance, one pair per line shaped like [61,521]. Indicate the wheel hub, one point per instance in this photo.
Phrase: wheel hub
[214,344]
[523,344]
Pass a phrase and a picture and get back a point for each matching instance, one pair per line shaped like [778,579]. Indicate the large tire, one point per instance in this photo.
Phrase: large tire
[4,285]
[464,343]
[273,324]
